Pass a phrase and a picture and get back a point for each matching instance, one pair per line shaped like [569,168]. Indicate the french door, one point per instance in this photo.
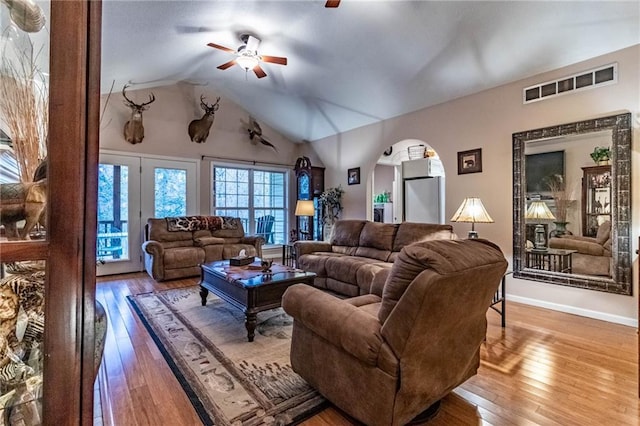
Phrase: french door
[130,190]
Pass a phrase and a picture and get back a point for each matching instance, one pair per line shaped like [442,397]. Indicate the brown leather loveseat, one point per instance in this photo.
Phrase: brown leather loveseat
[361,252]
[386,357]
[176,247]
[593,254]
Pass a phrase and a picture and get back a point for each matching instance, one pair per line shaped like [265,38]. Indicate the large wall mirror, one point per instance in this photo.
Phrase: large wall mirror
[571,214]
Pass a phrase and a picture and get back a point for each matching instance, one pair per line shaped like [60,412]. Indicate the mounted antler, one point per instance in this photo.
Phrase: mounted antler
[199,129]
[133,129]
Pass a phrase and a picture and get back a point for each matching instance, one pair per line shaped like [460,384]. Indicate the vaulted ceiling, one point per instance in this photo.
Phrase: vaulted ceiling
[363,62]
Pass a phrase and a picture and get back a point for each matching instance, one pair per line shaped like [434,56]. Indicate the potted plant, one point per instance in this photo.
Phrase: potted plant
[601,155]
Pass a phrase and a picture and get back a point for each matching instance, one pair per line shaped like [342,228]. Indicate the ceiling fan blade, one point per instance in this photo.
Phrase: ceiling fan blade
[274,59]
[227,65]
[217,46]
[253,43]
[332,3]
[259,71]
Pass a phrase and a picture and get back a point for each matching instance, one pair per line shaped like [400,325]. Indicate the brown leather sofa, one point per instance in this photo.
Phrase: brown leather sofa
[361,252]
[593,256]
[177,254]
[386,357]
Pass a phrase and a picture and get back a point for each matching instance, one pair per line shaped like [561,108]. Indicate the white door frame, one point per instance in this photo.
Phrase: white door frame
[133,261]
[142,205]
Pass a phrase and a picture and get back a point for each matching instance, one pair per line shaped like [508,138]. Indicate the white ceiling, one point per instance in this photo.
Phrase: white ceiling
[363,62]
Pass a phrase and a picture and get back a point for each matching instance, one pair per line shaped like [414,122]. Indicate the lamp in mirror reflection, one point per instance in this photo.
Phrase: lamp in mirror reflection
[471,210]
[539,211]
[305,208]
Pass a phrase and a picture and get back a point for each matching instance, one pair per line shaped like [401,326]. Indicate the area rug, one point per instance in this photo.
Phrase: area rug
[229,380]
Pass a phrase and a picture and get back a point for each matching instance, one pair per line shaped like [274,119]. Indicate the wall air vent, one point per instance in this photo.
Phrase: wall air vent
[602,76]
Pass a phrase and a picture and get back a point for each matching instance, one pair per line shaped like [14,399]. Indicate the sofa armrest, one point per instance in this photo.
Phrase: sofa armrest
[306,247]
[154,248]
[254,240]
[584,245]
[340,323]
[154,259]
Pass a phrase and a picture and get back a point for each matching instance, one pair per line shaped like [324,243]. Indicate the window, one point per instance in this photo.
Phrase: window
[170,187]
[258,197]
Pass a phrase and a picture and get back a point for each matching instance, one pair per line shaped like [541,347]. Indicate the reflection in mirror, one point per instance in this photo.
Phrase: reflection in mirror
[571,214]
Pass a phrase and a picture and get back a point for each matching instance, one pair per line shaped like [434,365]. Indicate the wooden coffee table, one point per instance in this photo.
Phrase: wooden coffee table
[251,294]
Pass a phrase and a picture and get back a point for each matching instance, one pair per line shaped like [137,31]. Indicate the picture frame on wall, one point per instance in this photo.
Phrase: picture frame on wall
[353,176]
[470,161]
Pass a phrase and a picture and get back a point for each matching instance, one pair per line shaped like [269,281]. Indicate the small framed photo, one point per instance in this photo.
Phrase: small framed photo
[470,161]
[353,176]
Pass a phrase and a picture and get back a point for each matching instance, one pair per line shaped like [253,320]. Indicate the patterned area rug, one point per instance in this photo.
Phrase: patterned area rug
[229,380]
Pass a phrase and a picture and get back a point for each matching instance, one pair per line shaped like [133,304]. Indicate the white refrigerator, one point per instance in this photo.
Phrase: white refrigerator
[424,200]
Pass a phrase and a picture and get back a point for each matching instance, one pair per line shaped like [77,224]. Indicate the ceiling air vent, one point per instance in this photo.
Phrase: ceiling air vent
[597,77]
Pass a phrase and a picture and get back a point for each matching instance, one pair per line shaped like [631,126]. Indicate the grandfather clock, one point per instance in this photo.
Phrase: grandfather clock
[309,186]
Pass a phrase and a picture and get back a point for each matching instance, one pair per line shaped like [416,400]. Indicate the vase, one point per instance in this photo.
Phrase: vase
[326,231]
[561,229]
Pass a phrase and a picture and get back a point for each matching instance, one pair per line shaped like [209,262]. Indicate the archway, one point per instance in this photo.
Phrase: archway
[407,184]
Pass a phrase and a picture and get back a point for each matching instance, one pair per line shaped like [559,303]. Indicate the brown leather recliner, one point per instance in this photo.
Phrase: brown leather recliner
[385,357]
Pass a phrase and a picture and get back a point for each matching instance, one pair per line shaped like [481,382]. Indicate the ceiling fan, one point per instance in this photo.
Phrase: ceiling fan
[332,3]
[247,56]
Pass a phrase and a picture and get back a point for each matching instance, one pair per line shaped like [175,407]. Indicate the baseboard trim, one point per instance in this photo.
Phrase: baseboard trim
[632,322]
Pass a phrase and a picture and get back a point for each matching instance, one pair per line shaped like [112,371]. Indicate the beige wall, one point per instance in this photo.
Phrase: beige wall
[166,122]
[383,179]
[487,120]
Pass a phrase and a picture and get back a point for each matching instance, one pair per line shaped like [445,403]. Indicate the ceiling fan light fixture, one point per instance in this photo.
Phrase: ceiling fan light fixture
[247,61]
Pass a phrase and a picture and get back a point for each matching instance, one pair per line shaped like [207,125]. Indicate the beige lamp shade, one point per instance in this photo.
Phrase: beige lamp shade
[305,208]
[538,210]
[471,210]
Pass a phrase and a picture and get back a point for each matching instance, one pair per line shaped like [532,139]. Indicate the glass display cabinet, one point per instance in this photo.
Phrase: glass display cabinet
[49,116]
[596,198]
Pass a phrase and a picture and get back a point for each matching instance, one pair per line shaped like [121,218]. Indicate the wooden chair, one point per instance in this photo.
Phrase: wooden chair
[265,228]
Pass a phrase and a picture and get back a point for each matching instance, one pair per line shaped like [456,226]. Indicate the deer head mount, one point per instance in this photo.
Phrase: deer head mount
[133,129]
[199,129]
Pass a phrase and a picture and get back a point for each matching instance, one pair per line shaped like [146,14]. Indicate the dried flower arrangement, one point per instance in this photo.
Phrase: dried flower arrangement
[331,200]
[24,106]
[560,195]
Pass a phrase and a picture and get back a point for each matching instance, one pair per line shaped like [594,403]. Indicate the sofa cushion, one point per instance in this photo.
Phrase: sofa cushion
[316,262]
[604,232]
[206,241]
[378,235]
[410,232]
[347,232]
[442,257]
[183,257]
[340,288]
[373,253]
[345,268]
[232,228]
[366,274]
[157,229]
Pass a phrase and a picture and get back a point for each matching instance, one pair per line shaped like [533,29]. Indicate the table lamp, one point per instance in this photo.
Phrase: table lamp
[472,210]
[305,208]
[538,211]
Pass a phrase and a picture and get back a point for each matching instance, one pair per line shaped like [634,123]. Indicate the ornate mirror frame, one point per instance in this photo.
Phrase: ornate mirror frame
[620,127]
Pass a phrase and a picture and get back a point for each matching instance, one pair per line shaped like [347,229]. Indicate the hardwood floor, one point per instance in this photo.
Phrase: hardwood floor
[545,368]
